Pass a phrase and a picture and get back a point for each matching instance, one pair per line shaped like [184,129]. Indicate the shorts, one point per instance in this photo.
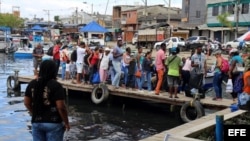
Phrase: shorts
[37,63]
[79,67]
[67,67]
[173,81]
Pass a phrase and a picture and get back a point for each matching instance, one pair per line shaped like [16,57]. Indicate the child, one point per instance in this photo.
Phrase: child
[67,77]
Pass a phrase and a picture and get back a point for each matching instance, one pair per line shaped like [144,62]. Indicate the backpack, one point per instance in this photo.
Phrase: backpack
[73,56]
[50,51]
[224,65]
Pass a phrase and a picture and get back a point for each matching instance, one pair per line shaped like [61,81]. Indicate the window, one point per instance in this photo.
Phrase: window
[245,8]
[223,9]
[231,9]
[198,14]
[215,11]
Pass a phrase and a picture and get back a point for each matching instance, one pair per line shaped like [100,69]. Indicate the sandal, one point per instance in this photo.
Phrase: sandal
[176,97]
[170,96]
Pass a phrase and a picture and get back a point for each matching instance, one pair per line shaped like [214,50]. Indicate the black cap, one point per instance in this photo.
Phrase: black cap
[198,45]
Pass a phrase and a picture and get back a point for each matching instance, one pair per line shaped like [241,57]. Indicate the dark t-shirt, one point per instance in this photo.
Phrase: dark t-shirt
[44,107]
[38,51]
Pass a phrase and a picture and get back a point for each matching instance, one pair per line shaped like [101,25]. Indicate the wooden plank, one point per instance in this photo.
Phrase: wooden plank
[162,98]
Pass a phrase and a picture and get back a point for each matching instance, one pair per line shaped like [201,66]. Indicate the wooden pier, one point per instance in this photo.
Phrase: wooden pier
[179,133]
[193,128]
[162,98]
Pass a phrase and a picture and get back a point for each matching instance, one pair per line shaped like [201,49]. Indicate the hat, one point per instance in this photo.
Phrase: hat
[217,52]
[198,45]
[233,50]
[173,50]
[106,49]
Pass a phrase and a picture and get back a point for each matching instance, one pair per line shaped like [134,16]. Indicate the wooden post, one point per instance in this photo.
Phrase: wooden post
[219,128]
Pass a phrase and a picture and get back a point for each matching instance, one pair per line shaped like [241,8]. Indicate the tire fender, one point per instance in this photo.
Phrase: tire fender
[15,83]
[99,94]
[199,110]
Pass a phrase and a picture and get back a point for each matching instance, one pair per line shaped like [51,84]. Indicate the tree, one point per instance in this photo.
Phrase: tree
[223,19]
[11,21]
[57,19]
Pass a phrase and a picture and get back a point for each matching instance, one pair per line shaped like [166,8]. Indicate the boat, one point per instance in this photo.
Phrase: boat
[26,47]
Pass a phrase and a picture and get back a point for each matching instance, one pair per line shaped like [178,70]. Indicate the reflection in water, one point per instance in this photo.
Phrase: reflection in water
[121,119]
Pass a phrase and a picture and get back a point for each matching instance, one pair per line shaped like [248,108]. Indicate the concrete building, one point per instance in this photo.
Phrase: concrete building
[193,15]
[158,14]
[217,7]
[131,18]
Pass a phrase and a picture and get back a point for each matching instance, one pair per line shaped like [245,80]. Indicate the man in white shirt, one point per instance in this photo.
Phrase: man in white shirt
[169,46]
[79,61]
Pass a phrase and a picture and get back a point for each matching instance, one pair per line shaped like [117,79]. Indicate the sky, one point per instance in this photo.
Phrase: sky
[39,8]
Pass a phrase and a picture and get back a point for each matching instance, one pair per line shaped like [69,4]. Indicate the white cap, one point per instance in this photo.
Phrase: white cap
[233,50]
[106,49]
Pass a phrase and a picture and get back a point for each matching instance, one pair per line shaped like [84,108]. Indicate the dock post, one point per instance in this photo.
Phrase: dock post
[16,73]
[219,128]
[67,98]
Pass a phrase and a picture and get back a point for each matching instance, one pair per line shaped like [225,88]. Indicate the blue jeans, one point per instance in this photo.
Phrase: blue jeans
[47,131]
[148,76]
[117,68]
[125,70]
[217,81]
[140,81]
[57,61]
[112,73]
[63,70]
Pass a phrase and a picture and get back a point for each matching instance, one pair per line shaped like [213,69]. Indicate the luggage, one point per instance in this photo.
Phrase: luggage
[195,84]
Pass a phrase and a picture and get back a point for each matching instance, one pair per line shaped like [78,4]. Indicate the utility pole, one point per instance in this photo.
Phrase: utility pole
[0,6]
[48,13]
[237,18]
[76,15]
[169,5]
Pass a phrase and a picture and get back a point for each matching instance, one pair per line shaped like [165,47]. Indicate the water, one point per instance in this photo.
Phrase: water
[120,119]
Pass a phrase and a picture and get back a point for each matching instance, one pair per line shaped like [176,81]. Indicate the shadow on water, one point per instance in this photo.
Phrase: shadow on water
[118,119]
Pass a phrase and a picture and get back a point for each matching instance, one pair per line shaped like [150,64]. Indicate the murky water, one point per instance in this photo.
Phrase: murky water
[120,119]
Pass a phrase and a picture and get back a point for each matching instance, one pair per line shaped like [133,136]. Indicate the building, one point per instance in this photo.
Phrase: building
[193,15]
[217,7]
[132,18]
[158,14]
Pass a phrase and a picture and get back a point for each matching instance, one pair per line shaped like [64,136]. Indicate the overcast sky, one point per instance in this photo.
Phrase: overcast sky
[31,8]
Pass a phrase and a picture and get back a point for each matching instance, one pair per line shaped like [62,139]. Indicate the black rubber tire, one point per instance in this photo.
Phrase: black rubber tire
[99,94]
[197,111]
[9,82]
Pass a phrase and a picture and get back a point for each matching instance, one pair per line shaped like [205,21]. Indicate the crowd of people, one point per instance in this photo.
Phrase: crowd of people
[123,68]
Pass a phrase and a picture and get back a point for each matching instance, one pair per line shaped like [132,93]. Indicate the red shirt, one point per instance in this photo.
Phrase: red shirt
[56,52]
[94,59]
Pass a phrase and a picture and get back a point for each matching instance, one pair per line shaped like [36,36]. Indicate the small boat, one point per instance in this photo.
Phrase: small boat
[25,49]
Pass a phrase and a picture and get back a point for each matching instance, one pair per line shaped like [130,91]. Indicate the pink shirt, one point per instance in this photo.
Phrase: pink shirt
[160,56]
[187,66]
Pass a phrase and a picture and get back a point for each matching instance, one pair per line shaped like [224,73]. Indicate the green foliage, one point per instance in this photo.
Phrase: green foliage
[223,19]
[56,18]
[10,20]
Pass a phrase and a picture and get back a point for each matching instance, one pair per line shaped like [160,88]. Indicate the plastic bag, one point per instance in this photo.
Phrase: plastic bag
[96,78]
[229,86]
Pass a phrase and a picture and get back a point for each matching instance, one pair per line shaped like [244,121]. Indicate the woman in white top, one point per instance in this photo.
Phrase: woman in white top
[186,73]
[125,64]
[64,60]
[104,65]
